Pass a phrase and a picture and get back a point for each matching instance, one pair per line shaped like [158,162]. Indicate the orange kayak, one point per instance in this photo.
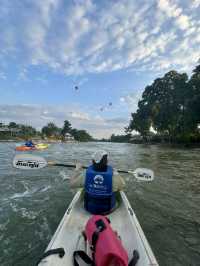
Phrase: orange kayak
[24,148]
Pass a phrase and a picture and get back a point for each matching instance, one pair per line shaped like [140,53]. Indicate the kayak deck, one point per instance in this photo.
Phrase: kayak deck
[123,220]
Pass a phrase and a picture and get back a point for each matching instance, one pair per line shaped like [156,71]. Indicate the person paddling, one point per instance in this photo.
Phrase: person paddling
[29,143]
[100,182]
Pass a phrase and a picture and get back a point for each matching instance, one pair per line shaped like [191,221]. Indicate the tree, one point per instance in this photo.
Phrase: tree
[66,128]
[194,99]
[81,135]
[12,125]
[167,102]
[27,131]
[51,130]
[140,122]
[162,106]
[120,138]
[74,133]
[196,71]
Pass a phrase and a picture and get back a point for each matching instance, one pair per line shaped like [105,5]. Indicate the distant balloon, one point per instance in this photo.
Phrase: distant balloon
[76,88]
[110,104]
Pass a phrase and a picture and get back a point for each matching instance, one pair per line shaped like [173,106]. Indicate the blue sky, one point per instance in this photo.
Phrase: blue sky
[110,49]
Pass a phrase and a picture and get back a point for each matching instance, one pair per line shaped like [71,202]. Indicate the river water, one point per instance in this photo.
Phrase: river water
[33,202]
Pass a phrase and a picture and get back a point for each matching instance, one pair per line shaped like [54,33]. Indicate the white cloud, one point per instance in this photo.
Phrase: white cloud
[173,11]
[77,37]
[79,115]
[183,22]
[169,8]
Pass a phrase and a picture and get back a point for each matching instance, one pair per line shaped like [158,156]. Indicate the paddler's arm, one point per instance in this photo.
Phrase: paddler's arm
[118,181]
[77,179]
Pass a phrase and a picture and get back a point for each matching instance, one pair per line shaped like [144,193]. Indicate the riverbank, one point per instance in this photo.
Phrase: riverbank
[153,139]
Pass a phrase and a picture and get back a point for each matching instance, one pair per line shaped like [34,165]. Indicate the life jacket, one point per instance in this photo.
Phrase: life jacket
[99,197]
[29,144]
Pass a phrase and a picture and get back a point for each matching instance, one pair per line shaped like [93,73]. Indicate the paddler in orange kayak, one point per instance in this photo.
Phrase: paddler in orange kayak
[29,143]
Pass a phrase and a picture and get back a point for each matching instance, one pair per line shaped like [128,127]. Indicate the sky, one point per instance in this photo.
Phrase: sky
[111,50]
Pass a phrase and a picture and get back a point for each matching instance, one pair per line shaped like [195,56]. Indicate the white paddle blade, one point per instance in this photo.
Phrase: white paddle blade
[144,174]
[28,161]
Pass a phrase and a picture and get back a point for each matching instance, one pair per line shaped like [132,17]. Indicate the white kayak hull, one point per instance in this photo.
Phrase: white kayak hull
[123,220]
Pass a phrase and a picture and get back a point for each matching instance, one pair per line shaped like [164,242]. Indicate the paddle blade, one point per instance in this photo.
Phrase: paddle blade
[28,161]
[144,174]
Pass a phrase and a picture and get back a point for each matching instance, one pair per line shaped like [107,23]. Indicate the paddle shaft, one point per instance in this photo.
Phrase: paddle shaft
[67,165]
[84,167]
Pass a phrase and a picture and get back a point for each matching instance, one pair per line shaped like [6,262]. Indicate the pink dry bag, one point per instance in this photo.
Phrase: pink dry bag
[106,246]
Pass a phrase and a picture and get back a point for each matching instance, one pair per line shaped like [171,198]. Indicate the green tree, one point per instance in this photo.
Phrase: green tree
[120,138]
[140,122]
[12,125]
[194,99]
[66,128]
[51,130]
[162,106]
[28,130]
[74,133]
[168,107]
[81,135]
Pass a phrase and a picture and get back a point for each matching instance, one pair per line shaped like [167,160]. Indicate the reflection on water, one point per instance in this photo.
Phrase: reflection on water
[33,202]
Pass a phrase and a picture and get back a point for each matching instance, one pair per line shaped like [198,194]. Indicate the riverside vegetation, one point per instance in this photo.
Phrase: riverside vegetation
[50,131]
[171,106]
